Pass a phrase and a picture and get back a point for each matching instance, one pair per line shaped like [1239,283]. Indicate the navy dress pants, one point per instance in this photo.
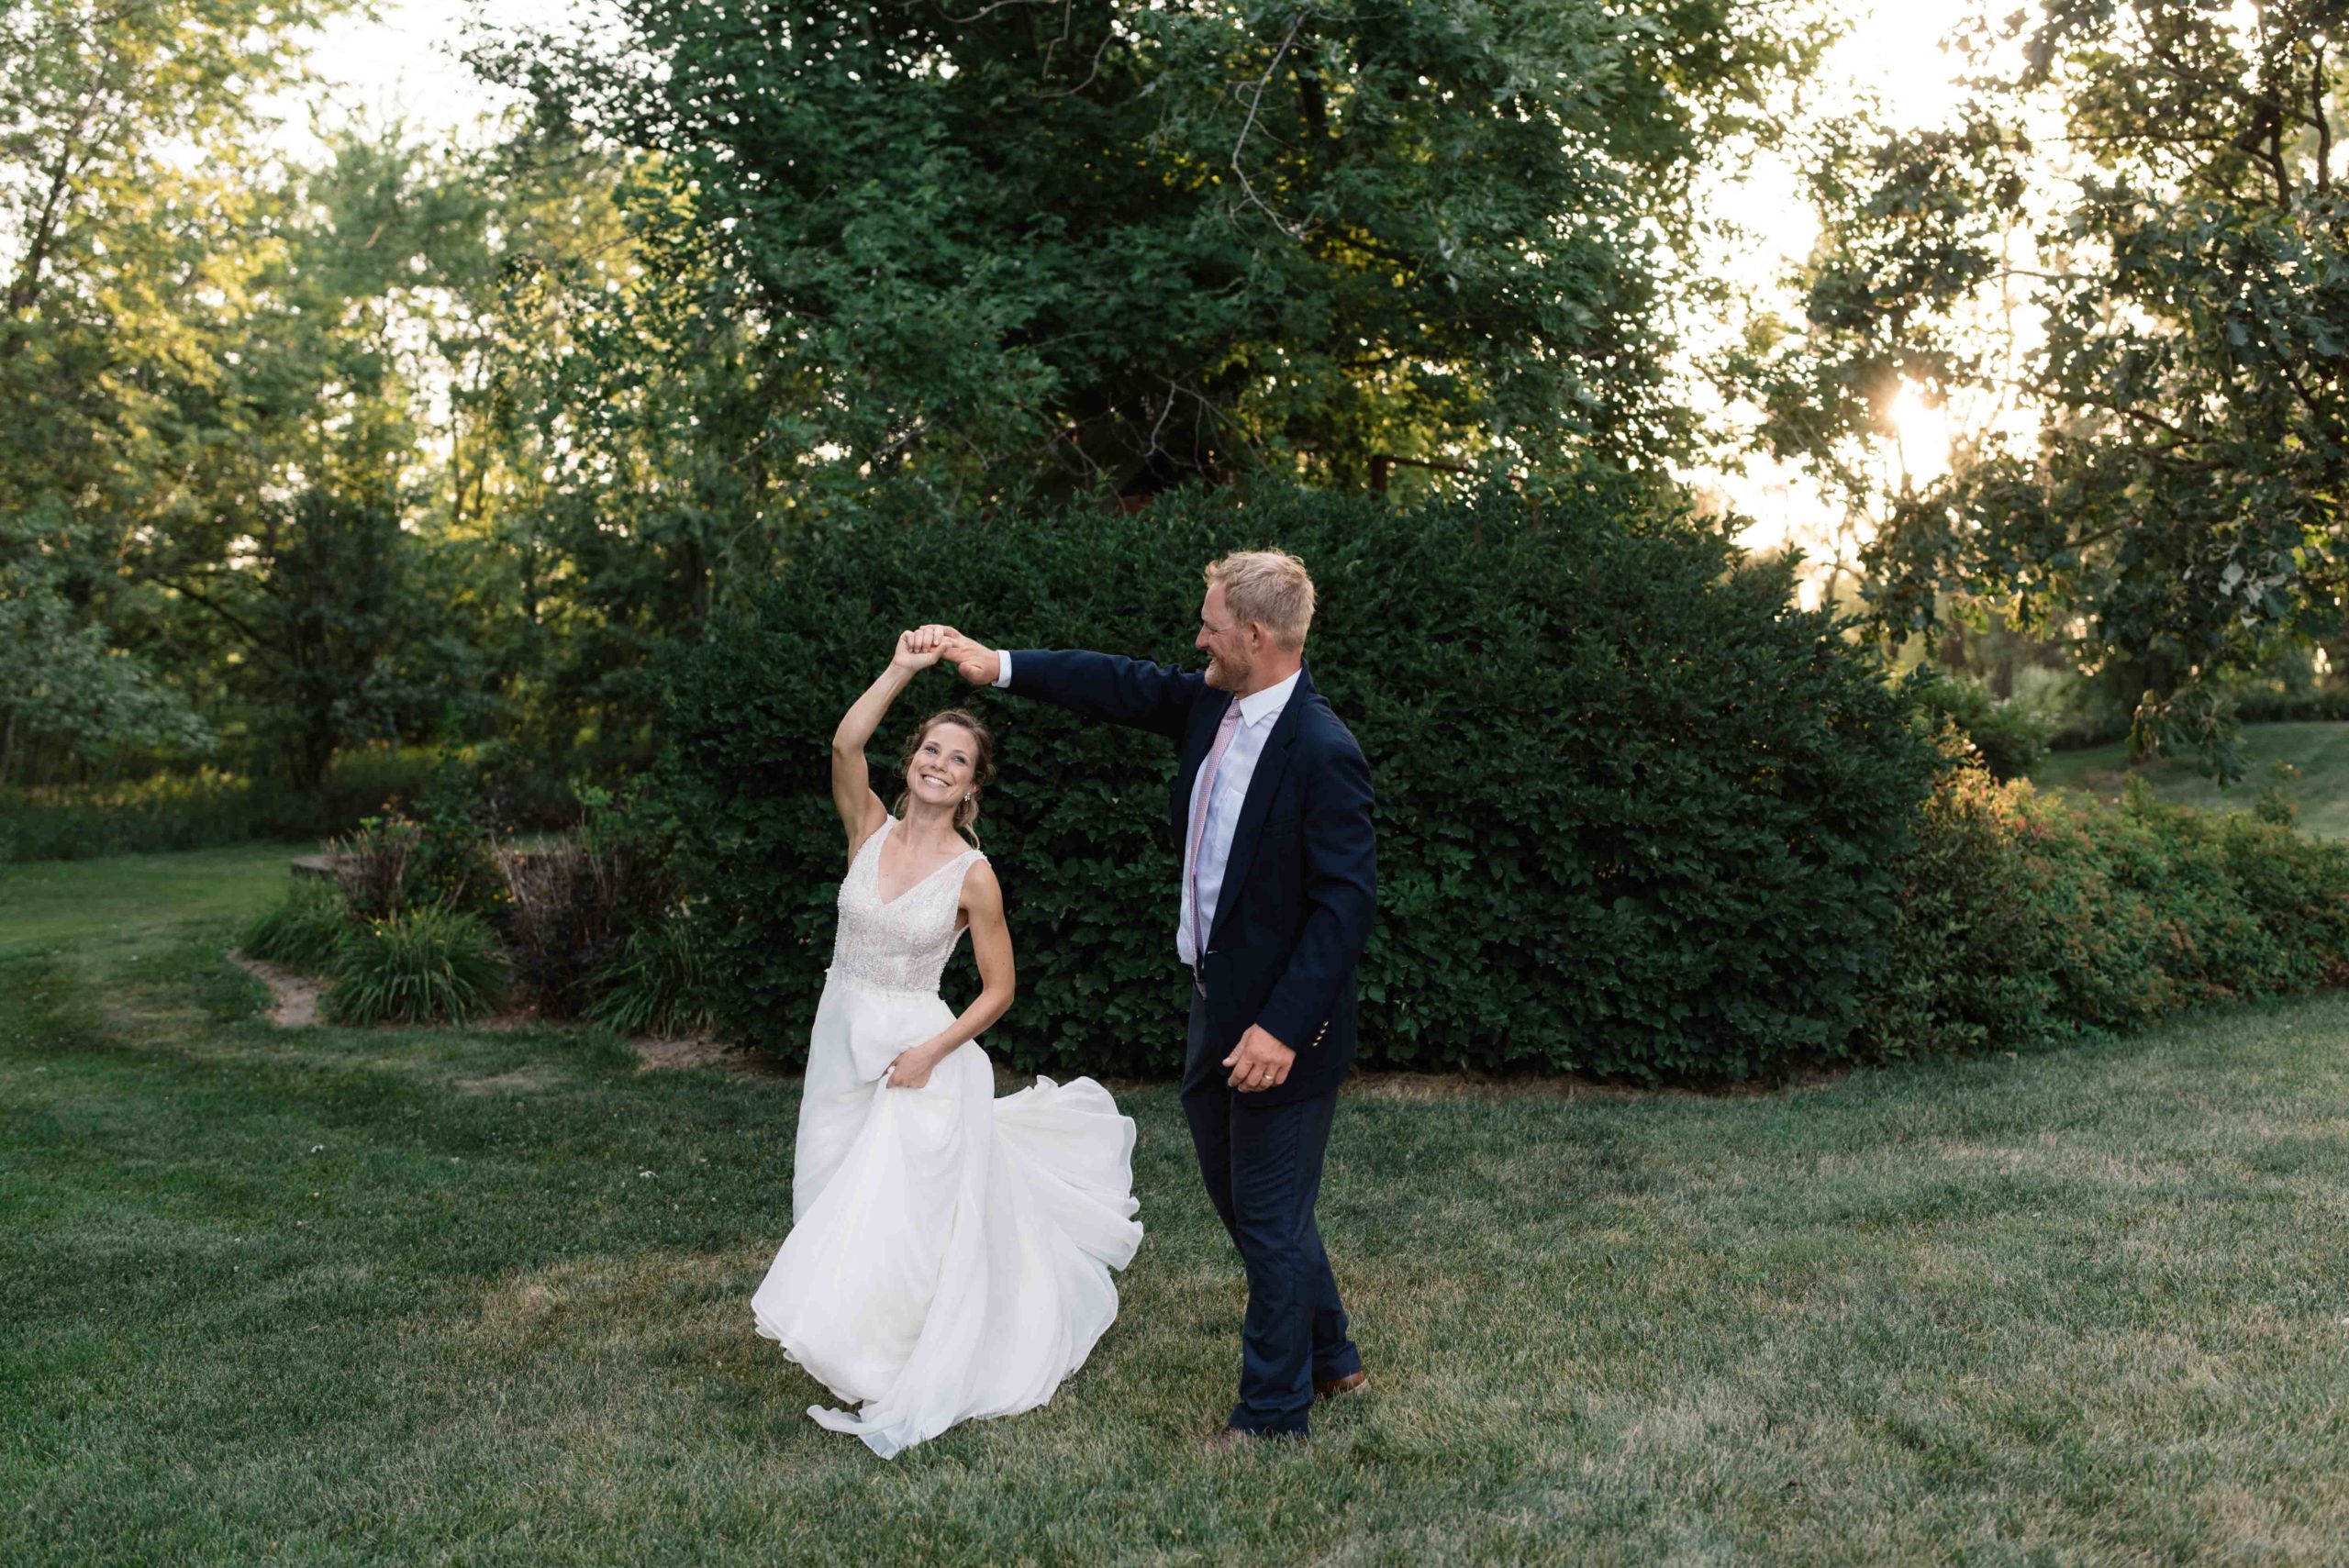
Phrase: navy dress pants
[1262,1165]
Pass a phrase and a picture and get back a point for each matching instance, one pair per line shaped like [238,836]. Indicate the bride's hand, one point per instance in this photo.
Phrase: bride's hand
[919,649]
[972,660]
[909,1069]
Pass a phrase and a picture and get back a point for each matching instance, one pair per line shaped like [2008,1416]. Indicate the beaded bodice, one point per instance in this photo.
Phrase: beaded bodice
[901,945]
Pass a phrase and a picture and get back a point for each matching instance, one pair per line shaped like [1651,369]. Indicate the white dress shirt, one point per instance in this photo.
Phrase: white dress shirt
[1257,713]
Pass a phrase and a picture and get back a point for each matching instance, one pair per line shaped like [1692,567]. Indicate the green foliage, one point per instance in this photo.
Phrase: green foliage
[131,198]
[2009,736]
[207,806]
[62,688]
[655,985]
[2175,507]
[2275,803]
[452,863]
[1637,816]
[2322,704]
[425,965]
[960,254]
[304,931]
[2035,916]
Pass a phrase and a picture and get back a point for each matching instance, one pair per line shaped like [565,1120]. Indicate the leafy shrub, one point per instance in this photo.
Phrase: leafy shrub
[209,806]
[2029,917]
[205,807]
[2326,704]
[423,966]
[450,859]
[2096,716]
[654,986]
[1638,816]
[2275,804]
[303,931]
[2011,736]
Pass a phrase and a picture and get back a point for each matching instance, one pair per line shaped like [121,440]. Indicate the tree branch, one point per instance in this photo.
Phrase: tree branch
[1255,102]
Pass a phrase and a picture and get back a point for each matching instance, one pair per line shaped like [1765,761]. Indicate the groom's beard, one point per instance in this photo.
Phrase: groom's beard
[1225,676]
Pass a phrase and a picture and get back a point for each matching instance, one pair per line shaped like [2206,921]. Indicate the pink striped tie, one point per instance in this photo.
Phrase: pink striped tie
[1223,734]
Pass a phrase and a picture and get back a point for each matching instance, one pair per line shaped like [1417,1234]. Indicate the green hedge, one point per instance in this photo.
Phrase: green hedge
[210,806]
[2031,917]
[201,809]
[2325,705]
[1637,816]
[2008,737]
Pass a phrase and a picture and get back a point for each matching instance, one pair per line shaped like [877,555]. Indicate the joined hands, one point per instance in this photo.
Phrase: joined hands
[972,660]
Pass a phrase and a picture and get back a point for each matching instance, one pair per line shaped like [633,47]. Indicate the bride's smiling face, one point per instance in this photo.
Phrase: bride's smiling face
[943,766]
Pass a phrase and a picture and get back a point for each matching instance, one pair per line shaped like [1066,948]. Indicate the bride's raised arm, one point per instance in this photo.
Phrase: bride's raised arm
[861,811]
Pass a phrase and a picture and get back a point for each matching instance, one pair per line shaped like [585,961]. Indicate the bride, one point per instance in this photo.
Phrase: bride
[949,1253]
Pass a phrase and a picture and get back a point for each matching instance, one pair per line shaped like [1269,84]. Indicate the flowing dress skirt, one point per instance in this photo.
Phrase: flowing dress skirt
[949,1253]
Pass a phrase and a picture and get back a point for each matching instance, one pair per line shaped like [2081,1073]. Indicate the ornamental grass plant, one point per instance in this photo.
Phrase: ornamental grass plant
[428,964]
[304,930]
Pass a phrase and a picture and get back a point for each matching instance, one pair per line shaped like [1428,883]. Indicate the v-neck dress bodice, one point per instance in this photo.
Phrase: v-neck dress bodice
[949,1253]
[901,943]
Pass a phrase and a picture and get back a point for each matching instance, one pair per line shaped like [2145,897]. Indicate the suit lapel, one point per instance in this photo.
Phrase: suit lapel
[1271,763]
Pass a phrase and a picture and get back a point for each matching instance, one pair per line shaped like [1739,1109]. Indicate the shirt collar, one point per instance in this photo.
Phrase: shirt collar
[1256,708]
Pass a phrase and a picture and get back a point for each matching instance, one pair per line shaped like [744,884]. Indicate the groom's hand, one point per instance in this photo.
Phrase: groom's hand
[1259,1061]
[976,662]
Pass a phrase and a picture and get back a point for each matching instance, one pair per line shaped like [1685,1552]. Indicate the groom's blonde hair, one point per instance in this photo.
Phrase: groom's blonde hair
[1268,586]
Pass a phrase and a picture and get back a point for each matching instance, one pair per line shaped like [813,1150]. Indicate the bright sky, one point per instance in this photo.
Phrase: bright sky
[404,63]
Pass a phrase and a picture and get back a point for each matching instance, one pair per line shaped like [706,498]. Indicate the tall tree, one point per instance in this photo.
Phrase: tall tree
[306,555]
[954,253]
[128,160]
[2135,238]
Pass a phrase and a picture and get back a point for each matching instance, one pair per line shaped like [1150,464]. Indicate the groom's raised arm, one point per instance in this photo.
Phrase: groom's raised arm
[1156,697]
[1341,893]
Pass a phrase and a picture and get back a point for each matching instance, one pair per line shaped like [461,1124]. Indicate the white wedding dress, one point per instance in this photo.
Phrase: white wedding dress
[949,1253]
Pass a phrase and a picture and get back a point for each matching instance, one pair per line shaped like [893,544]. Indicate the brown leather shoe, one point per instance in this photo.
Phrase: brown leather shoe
[1353,1382]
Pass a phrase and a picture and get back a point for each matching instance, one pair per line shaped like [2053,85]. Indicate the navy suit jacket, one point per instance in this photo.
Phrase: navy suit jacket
[1301,883]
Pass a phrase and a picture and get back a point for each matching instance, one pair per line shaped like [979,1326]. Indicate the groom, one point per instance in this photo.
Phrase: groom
[1272,809]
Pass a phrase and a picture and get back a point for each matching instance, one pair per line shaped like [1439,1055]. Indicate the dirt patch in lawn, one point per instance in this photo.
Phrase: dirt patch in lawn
[295,997]
[656,1053]
[521,1081]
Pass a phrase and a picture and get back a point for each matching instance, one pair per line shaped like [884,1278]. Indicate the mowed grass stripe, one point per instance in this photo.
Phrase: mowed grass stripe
[355,1295]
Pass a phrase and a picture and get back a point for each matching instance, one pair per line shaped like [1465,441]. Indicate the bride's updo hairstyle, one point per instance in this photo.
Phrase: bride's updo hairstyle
[966,812]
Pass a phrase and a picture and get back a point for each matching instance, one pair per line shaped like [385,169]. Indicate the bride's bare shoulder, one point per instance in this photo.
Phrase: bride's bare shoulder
[861,834]
[979,882]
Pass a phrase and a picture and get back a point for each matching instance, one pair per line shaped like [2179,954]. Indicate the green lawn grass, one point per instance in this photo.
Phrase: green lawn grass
[2320,752]
[348,1296]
